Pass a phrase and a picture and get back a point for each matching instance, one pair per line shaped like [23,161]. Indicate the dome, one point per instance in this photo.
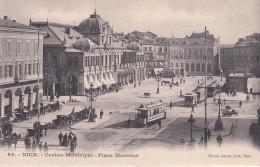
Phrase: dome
[134,46]
[92,25]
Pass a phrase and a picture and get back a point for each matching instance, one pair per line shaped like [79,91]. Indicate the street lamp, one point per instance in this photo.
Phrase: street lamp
[70,86]
[91,98]
[218,123]
[191,121]
[158,78]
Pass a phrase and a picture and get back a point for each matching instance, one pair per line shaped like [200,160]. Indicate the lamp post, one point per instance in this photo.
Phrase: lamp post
[91,98]
[191,121]
[158,78]
[70,86]
[218,123]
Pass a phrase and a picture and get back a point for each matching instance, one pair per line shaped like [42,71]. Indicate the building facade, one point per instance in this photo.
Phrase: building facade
[83,55]
[21,54]
[244,56]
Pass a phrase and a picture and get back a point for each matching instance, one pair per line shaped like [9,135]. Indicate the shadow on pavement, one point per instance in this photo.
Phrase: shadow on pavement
[123,124]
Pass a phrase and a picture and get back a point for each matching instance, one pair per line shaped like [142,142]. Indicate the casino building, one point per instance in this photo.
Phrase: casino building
[21,50]
[85,54]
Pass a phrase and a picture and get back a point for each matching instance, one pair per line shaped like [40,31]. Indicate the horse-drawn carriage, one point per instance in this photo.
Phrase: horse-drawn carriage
[62,121]
[229,112]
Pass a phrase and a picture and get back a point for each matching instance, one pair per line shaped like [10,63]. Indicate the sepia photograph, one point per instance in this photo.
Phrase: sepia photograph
[129,83]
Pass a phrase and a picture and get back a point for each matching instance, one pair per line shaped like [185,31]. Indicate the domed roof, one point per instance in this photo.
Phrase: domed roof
[83,44]
[134,46]
[92,24]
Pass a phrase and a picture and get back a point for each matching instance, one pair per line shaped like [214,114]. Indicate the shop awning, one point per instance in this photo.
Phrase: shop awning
[86,83]
[92,81]
[111,78]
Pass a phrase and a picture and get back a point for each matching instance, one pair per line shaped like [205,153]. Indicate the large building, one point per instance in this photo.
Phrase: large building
[21,54]
[83,55]
[244,56]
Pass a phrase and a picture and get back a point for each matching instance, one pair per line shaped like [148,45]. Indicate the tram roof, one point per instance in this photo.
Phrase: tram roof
[150,105]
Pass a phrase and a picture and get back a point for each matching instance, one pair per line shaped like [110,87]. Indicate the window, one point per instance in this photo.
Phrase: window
[102,40]
[187,67]
[27,47]
[192,67]
[9,47]
[203,67]
[145,49]
[8,71]
[198,67]
[18,47]
[209,67]
[150,48]
[55,59]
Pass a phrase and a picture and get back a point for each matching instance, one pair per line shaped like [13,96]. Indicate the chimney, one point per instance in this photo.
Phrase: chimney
[67,30]
[6,17]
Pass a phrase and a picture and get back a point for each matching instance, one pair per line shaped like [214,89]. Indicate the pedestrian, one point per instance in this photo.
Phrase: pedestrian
[214,101]
[58,105]
[69,139]
[198,81]
[35,125]
[72,147]
[14,138]
[45,147]
[101,114]
[73,110]
[184,81]
[224,102]
[180,93]
[170,105]
[219,140]
[139,83]
[182,143]
[135,85]
[60,136]
[40,146]
[65,139]
[160,124]
[196,103]
[192,108]
[240,104]
[128,123]
[41,108]
[33,145]
[251,90]
[209,134]
[74,139]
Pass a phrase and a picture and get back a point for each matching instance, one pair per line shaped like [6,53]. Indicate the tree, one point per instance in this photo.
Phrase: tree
[49,74]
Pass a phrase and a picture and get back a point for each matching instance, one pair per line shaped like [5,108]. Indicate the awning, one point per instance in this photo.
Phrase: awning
[111,78]
[105,81]
[110,82]
[96,81]
[92,81]
[86,84]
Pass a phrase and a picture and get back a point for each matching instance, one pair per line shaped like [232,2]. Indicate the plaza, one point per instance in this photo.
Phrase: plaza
[111,134]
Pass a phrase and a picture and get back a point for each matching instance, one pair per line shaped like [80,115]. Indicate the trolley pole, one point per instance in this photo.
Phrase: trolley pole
[206,124]
[38,82]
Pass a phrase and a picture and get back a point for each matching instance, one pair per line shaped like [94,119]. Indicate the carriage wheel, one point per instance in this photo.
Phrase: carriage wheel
[61,124]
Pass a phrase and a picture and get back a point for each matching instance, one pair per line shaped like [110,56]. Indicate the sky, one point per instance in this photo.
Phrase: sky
[227,19]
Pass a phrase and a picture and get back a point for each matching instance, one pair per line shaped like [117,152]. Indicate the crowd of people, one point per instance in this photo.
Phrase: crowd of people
[68,140]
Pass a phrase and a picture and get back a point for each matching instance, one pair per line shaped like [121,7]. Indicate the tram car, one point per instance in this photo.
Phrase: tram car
[190,99]
[168,73]
[211,89]
[150,113]
[201,95]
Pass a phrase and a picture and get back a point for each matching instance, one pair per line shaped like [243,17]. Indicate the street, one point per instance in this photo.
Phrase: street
[111,132]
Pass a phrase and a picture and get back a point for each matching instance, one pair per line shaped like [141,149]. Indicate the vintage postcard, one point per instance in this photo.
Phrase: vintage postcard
[129,83]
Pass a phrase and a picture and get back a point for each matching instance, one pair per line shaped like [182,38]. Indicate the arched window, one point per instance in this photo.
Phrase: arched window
[198,67]
[203,67]
[192,67]
[208,67]
[187,67]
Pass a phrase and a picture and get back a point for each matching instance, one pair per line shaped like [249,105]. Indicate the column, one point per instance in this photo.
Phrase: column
[30,101]
[2,106]
[13,102]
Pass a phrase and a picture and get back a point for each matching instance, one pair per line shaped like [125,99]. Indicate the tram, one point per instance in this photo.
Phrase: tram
[201,95]
[190,99]
[150,113]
